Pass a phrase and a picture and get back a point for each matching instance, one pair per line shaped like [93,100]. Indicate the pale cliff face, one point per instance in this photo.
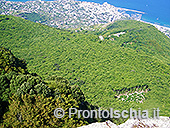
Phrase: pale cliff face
[163,122]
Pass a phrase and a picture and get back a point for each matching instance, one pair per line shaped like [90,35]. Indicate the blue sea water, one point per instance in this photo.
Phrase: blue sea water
[156,11]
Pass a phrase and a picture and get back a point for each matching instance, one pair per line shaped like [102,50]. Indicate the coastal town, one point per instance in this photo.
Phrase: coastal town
[163,29]
[71,14]
[67,13]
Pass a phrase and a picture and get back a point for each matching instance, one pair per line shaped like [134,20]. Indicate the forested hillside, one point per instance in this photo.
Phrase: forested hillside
[28,101]
[135,35]
[133,67]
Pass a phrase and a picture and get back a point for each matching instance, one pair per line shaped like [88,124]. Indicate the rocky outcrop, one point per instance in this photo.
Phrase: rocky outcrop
[163,122]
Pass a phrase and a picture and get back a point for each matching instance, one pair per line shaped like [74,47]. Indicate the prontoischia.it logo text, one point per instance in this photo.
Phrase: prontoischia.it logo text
[136,114]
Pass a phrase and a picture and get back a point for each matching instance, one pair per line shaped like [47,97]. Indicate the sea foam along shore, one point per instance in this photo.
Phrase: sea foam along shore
[163,122]
[163,29]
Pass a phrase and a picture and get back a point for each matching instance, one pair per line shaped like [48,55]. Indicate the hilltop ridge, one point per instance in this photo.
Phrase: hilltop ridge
[67,13]
[70,14]
[105,70]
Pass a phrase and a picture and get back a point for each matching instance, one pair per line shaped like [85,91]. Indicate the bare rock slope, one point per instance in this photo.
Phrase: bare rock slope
[163,122]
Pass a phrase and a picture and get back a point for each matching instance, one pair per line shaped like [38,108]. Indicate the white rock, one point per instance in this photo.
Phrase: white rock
[163,122]
[101,38]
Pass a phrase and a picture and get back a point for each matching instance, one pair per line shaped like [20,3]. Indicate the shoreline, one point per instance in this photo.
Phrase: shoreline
[163,29]
[131,10]
[155,24]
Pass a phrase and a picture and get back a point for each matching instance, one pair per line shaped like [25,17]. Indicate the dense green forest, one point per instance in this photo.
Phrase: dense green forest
[135,63]
[137,35]
[28,101]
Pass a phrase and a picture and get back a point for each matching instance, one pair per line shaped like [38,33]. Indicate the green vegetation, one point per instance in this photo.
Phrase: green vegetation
[138,36]
[10,63]
[27,101]
[102,69]
[39,112]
